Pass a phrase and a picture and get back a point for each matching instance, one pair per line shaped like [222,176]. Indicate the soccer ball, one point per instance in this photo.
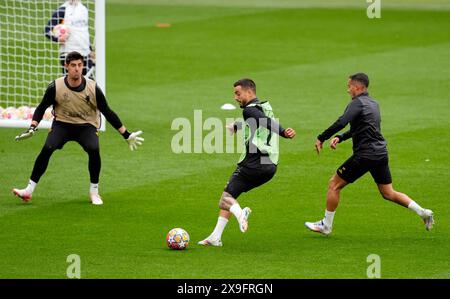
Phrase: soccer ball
[59,30]
[177,239]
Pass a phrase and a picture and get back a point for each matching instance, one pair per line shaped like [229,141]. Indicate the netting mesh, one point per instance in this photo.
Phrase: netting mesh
[29,61]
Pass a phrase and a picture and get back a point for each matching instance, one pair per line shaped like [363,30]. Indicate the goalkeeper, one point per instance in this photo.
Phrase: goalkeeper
[77,103]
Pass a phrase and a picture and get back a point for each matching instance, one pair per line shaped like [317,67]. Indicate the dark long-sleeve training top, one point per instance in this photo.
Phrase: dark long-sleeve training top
[363,114]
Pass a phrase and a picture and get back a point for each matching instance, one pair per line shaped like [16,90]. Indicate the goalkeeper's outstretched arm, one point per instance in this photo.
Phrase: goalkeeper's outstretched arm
[133,138]
[47,100]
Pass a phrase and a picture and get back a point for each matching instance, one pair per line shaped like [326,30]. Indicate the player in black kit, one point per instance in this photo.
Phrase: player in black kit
[369,155]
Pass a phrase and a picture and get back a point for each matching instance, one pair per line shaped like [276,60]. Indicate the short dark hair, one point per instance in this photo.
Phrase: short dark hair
[246,83]
[361,78]
[74,55]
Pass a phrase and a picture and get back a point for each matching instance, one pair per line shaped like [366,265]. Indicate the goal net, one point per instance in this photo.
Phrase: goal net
[29,60]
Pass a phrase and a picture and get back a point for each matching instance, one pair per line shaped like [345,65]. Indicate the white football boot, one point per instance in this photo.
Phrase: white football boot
[428,219]
[318,227]
[22,193]
[95,199]
[243,219]
[210,242]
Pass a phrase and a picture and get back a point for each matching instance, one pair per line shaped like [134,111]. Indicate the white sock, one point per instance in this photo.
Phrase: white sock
[415,207]
[93,189]
[236,210]
[218,230]
[329,216]
[30,187]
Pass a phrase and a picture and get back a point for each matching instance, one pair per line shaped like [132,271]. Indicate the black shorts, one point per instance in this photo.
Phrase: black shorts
[60,133]
[355,167]
[244,179]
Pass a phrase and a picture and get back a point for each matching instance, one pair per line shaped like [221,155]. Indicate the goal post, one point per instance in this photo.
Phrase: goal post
[29,60]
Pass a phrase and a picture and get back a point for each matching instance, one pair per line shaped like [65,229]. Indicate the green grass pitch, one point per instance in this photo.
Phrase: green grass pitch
[299,54]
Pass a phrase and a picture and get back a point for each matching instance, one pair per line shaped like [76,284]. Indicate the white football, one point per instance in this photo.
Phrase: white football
[60,30]
[228,106]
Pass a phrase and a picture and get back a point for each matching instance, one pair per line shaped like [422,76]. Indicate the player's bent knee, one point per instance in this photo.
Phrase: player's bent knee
[92,149]
[335,184]
[387,195]
[226,200]
[49,148]
[387,192]
[222,205]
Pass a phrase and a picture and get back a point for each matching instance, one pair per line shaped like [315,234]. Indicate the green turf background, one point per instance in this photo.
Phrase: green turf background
[299,53]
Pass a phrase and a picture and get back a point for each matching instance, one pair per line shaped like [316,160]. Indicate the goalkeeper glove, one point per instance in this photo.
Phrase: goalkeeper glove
[27,134]
[133,139]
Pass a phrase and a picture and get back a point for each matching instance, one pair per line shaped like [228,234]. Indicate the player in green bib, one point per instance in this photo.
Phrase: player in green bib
[258,162]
